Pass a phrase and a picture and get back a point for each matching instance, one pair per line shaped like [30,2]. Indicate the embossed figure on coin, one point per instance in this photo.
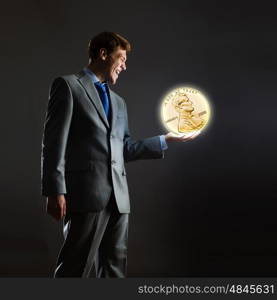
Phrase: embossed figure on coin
[188,119]
[185,110]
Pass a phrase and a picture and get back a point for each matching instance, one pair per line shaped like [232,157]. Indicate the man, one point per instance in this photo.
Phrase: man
[85,144]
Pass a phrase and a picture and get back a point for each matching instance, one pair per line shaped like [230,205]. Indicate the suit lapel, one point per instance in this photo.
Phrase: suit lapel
[114,108]
[93,95]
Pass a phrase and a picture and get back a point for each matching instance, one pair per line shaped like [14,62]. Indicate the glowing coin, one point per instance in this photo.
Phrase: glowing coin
[184,110]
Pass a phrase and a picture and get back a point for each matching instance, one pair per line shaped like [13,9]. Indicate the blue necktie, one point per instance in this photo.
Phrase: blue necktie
[102,91]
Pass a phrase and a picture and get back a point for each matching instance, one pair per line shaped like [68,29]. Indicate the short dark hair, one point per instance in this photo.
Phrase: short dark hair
[108,40]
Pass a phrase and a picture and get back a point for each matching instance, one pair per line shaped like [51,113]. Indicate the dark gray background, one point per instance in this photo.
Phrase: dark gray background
[208,208]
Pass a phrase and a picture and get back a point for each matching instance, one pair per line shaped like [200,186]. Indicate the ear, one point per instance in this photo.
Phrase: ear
[103,54]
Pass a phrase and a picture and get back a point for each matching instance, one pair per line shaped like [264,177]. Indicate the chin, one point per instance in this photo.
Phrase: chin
[111,80]
[114,81]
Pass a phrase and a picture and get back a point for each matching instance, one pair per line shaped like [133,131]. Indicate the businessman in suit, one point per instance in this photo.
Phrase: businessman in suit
[86,142]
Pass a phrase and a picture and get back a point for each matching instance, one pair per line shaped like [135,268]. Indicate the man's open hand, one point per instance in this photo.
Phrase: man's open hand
[181,138]
[56,206]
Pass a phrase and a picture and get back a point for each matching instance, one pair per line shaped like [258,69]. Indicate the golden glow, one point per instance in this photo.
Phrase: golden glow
[185,109]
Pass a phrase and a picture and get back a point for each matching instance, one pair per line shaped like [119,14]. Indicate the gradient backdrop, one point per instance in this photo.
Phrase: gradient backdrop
[207,209]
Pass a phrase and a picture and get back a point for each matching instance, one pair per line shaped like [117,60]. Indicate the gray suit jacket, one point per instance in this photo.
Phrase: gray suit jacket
[82,154]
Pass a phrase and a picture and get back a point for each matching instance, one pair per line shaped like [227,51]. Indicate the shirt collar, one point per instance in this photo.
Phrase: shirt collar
[92,75]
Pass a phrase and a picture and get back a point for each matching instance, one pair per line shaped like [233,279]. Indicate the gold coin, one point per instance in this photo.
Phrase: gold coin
[184,110]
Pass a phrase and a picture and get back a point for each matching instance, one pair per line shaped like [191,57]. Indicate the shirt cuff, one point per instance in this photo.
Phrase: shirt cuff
[163,143]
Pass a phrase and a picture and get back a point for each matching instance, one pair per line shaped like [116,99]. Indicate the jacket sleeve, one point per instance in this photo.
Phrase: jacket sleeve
[148,148]
[56,129]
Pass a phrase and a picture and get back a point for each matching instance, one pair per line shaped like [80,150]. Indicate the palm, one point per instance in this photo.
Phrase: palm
[181,138]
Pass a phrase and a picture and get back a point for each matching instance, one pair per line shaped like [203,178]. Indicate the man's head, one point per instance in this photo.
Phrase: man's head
[108,52]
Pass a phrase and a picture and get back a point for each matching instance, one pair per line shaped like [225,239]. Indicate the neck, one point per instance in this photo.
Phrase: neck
[97,70]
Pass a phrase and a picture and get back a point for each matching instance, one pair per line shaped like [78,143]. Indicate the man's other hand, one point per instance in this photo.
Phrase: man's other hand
[181,138]
[56,206]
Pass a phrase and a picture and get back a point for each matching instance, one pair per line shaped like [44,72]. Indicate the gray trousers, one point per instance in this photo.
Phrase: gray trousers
[96,239]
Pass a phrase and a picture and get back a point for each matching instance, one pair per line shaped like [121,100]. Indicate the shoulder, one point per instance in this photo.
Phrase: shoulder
[63,85]
[70,80]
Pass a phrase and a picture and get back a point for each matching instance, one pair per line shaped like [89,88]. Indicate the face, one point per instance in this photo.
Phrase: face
[114,64]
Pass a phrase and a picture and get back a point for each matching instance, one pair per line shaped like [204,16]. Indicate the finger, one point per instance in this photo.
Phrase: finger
[60,211]
[187,138]
[54,212]
[64,210]
[194,135]
[197,133]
